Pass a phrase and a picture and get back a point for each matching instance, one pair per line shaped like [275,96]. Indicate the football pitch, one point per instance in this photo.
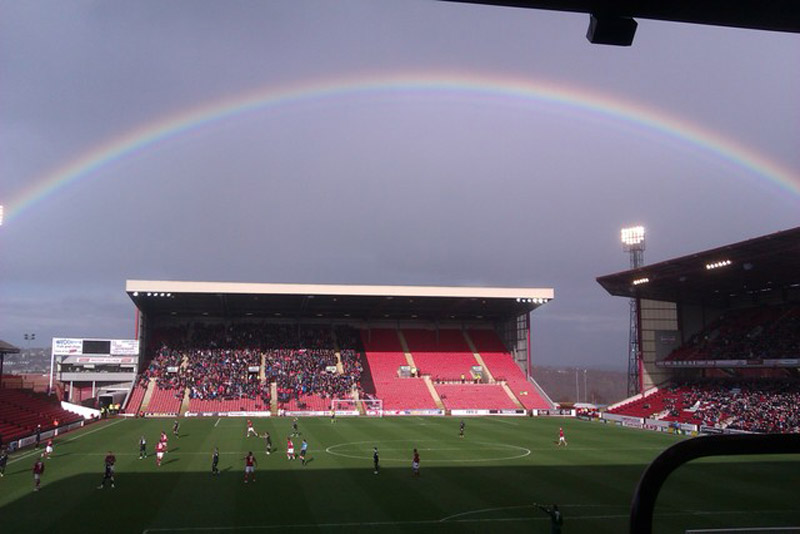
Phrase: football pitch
[484,482]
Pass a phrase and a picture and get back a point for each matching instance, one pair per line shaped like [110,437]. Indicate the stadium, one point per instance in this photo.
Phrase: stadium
[364,375]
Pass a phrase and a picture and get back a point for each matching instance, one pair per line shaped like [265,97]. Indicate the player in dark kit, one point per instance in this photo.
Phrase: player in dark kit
[295,432]
[3,462]
[142,448]
[268,442]
[215,462]
[376,460]
[415,464]
[109,470]
[461,429]
[303,450]
[175,426]
[556,519]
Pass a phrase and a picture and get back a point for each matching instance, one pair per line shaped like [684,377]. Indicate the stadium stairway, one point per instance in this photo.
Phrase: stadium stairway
[262,374]
[406,352]
[273,398]
[503,367]
[338,353]
[148,395]
[434,394]
[511,396]
[478,358]
[184,403]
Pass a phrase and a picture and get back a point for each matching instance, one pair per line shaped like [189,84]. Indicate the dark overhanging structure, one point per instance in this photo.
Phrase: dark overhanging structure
[506,309]
[613,22]
[679,297]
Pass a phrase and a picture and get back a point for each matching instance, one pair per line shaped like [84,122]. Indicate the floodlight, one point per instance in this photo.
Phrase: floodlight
[718,264]
[640,281]
[1,215]
[632,236]
[135,293]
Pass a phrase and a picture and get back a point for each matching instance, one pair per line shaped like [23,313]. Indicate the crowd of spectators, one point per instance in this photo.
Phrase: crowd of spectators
[308,366]
[765,332]
[218,361]
[753,406]
[225,374]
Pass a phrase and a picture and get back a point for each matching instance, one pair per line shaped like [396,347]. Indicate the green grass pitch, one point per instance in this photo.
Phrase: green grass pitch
[485,482]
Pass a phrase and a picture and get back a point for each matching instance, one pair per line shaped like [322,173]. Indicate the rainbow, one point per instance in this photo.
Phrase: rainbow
[474,85]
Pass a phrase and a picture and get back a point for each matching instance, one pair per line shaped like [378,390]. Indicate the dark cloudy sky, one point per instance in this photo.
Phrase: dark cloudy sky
[375,187]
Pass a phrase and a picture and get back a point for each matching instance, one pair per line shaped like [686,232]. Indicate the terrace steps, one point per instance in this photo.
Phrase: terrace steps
[148,394]
[511,395]
[478,358]
[434,394]
[406,352]
[185,402]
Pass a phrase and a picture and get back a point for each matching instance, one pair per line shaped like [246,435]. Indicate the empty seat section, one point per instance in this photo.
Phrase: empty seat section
[165,401]
[501,365]
[136,398]
[474,397]
[446,357]
[385,355]
[21,411]
[230,405]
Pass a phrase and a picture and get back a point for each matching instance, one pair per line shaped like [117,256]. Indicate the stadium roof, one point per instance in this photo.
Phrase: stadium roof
[753,268]
[7,348]
[228,299]
[775,15]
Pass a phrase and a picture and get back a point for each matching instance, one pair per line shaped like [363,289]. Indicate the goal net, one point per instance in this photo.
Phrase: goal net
[373,407]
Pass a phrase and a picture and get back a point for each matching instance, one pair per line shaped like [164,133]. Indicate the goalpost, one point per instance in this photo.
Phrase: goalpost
[371,407]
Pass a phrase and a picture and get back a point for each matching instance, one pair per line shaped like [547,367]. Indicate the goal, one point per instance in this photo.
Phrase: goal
[372,407]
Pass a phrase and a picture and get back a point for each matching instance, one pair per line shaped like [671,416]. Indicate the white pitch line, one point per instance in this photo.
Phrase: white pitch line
[35,452]
[420,522]
[218,420]
[517,507]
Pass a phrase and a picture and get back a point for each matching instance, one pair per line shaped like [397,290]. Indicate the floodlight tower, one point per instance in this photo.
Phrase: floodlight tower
[633,243]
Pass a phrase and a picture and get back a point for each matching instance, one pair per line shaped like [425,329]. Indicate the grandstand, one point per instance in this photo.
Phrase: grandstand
[720,336]
[269,349]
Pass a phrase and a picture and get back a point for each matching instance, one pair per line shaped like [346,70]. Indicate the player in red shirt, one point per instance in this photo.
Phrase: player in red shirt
[250,466]
[38,470]
[561,439]
[161,448]
[289,449]
[164,437]
[48,450]
[415,464]
[250,429]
